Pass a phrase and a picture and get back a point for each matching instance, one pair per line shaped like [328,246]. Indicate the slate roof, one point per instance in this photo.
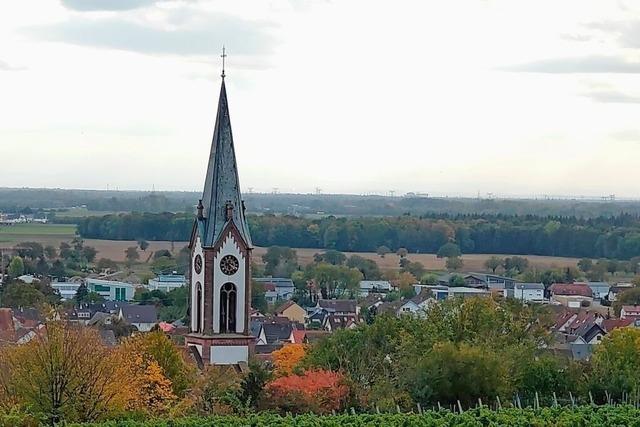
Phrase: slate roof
[277,332]
[339,305]
[424,295]
[139,313]
[222,184]
[315,336]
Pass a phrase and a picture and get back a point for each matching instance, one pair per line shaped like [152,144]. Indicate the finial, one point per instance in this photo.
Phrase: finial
[223,56]
[200,210]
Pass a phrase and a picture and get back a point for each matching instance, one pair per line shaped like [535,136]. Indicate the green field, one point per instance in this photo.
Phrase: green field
[37,232]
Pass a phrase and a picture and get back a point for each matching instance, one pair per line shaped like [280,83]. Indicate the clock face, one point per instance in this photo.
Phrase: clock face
[197,264]
[229,264]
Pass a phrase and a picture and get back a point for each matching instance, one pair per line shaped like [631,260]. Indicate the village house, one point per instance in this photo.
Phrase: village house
[167,282]
[277,288]
[334,314]
[630,312]
[292,311]
[527,292]
[111,290]
[414,306]
[374,287]
[143,317]
[488,281]
[571,295]
[600,290]
[614,291]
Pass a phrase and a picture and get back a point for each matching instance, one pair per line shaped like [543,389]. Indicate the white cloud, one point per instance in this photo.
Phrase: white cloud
[348,96]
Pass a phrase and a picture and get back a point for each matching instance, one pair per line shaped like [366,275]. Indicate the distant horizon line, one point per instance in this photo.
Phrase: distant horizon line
[387,194]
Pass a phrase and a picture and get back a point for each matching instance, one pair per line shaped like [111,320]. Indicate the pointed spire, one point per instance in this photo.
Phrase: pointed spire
[223,56]
[221,197]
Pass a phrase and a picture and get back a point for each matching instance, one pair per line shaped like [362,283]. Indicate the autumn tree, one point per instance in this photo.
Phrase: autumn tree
[170,358]
[316,391]
[287,358]
[65,373]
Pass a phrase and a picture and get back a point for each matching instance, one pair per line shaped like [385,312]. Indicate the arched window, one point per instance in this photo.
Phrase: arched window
[228,308]
[198,310]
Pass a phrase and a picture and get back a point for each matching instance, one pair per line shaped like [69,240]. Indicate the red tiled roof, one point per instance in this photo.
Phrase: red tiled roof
[269,287]
[610,324]
[629,309]
[298,336]
[571,290]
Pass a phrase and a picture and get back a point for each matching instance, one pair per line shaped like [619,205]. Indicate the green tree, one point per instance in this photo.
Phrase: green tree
[449,250]
[415,268]
[330,257]
[16,267]
[382,251]
[516,263]
[81,294]
[402,252]
[162,253]
[21,295]
[106,263]
[89,253]
[454,263]
[131,254]
[616,363]
[143,244]
[258,300]
[57,269]
[368,267]
[585,264]
[628,297]
[456,280]
[429,279]
[493,263]
[50,252]
[164,265]
[280,261]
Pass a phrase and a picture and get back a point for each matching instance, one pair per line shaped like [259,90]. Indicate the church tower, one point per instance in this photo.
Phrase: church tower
[220,245]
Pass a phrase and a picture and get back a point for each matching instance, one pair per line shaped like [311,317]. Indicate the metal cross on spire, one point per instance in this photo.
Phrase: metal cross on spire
[223,56]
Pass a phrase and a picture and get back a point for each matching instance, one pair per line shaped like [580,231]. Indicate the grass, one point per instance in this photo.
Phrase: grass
[50,234]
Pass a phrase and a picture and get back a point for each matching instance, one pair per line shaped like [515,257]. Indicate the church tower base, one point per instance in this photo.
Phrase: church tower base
[222,349]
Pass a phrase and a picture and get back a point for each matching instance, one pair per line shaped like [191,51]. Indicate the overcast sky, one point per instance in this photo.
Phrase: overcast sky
[447,98]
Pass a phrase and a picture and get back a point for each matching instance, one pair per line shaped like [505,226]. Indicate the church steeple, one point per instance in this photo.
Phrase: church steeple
[221,198]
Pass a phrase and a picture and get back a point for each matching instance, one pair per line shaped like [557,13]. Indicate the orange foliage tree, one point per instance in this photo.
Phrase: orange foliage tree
[317,391]
[286,359]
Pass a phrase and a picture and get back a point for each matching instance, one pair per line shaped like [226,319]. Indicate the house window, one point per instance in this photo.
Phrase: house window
[121,294]
[228,308]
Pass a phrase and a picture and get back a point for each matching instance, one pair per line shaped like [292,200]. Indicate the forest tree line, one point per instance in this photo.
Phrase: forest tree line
[603,237]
